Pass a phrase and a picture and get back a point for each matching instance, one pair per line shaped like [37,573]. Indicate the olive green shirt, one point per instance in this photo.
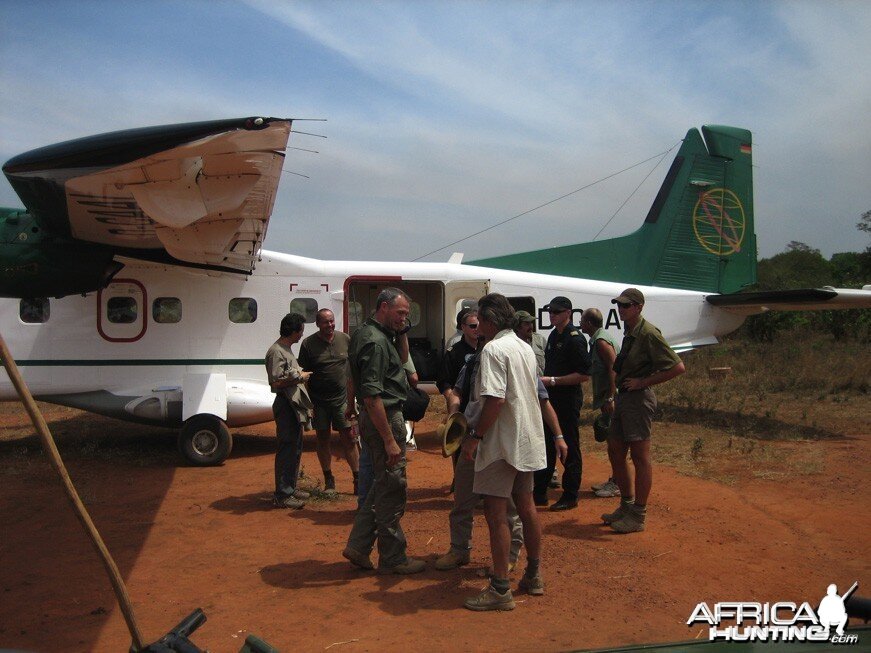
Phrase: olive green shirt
[644,351]
[376,367]
[328,362]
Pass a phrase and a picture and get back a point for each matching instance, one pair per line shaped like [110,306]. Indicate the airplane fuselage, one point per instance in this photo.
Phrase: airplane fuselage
[152,346]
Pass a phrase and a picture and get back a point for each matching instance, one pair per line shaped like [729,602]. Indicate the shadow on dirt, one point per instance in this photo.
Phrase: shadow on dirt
[746,425]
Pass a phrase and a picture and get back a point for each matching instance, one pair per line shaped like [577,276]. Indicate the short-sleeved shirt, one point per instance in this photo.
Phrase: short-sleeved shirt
[281,364]
[376,367]
[328,362]
[566,353]
[452,362]
[644,351]
[599,372]
[507,371]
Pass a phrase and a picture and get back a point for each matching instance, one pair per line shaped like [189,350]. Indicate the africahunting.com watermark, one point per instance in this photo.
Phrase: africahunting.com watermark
[783,621]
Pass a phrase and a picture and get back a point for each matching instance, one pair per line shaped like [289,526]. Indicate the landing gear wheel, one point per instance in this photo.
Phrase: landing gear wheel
[205,441]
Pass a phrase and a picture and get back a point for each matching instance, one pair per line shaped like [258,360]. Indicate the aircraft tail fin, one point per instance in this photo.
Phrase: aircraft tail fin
[698,234]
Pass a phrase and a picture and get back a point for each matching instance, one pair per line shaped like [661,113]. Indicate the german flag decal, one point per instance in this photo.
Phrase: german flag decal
[745,148]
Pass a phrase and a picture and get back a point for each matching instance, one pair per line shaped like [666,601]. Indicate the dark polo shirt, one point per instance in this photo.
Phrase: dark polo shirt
[566,353]
[328,362]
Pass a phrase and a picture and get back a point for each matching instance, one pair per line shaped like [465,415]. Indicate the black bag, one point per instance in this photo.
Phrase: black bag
[415,405]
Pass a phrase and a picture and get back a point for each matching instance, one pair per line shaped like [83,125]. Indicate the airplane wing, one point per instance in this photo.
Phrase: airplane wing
[200,192]
[808,299]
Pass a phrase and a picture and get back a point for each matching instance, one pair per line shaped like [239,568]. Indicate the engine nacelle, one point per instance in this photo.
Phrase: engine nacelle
[36,264]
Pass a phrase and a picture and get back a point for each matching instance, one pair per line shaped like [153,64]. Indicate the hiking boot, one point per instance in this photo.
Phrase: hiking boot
[288,502]
[301,494]
[490,599]
[410,566]
[631,522]
[554,480]
[452,559]
[357,559]
[533,586]
[608,489]
[599,486]
[617,515]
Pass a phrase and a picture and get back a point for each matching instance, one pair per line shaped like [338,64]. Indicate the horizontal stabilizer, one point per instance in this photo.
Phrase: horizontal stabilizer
[805,299]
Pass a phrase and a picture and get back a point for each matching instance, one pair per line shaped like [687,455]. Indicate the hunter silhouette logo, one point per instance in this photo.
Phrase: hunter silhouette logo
[719,221]
[783,621]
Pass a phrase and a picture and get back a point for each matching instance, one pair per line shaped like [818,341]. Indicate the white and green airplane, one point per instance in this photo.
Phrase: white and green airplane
[137,286]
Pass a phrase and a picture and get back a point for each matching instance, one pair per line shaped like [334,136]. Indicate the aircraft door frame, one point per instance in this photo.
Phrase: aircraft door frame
[457,291]
[125,331]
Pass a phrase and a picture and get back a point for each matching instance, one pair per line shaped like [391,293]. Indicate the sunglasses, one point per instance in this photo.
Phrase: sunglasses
[624,305]
[556,311]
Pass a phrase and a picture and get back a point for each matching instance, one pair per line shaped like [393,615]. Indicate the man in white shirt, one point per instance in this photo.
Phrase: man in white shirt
[509,439]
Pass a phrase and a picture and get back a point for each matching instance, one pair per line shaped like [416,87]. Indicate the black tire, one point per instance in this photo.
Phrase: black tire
[205,441]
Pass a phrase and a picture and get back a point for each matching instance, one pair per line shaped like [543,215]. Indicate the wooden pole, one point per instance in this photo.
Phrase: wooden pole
[78,507]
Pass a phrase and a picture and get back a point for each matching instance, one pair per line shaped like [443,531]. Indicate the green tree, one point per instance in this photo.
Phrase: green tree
[802,266]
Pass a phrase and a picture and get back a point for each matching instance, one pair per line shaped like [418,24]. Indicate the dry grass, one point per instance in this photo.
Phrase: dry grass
[769,416]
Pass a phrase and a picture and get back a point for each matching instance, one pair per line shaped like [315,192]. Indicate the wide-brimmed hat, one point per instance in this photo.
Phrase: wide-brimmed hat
[601,426]
[629,296]
[452,433]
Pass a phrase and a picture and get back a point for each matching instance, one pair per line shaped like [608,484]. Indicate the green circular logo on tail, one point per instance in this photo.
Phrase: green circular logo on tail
[719,221]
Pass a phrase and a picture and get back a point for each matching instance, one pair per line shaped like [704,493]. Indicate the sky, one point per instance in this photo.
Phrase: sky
[444,118]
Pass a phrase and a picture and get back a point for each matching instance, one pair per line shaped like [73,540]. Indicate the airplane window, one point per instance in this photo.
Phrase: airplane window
[414,314]
[355,315]
[122,310]
[35,310]
[242,310]
[166,310]
[305,306]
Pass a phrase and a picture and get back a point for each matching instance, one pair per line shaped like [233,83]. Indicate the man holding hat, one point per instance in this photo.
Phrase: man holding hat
[645,360]
[566,367]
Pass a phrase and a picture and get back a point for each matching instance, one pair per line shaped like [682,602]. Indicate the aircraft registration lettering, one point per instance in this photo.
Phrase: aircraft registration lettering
[719,221]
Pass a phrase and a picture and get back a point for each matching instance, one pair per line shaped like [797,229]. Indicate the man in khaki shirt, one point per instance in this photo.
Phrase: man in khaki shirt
[645,360]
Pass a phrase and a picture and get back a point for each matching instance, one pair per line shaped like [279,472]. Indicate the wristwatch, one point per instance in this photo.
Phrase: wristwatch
[474,434]
[609,400]
[553,380]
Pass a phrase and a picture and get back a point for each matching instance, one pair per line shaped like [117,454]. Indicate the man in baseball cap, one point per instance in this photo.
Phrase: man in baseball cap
[566,367]
[645,360]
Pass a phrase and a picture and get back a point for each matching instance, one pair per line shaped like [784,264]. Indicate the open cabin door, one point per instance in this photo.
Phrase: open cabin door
[459,294]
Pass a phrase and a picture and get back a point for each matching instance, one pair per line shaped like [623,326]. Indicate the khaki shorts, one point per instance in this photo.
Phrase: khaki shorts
[499,479]
[633,415]
[330,412]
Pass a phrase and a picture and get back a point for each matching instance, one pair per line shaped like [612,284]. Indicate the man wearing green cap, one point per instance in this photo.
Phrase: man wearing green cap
[645,360]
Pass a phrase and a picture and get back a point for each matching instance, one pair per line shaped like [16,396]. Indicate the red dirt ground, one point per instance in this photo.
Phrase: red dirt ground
[186,538]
